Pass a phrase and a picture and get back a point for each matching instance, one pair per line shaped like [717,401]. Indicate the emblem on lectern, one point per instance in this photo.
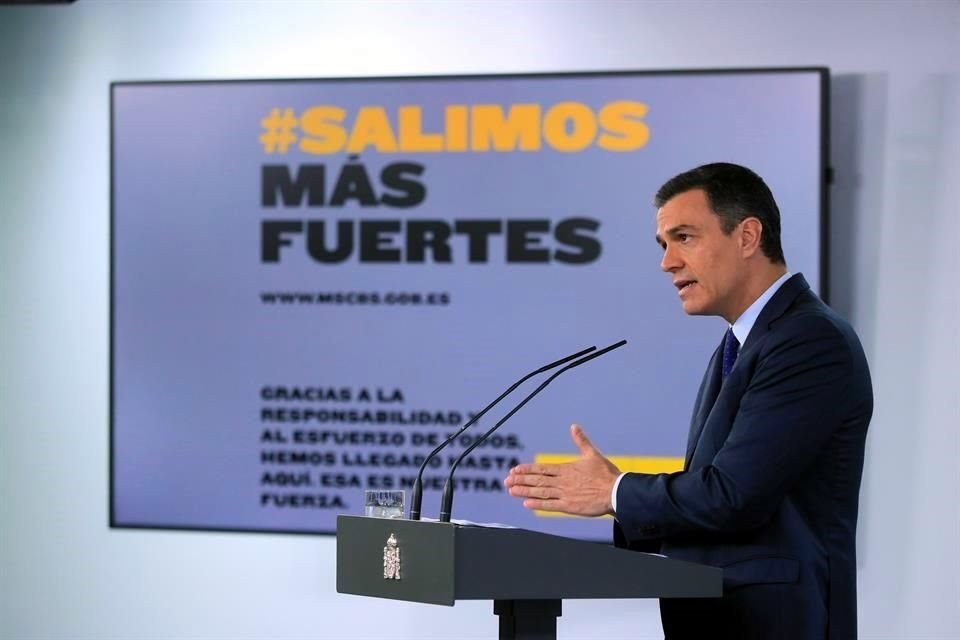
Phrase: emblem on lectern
[391,559]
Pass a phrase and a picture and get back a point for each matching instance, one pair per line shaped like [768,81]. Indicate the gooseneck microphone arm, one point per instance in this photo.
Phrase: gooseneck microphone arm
[417,498]
[446,503]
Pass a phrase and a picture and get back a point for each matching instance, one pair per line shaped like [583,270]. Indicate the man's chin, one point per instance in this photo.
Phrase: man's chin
[691,308]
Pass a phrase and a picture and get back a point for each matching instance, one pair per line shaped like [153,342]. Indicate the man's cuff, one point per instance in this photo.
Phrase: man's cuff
[613,495]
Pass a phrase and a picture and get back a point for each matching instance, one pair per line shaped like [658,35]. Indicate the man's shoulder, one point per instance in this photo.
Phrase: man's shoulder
[809,315]
[809,326]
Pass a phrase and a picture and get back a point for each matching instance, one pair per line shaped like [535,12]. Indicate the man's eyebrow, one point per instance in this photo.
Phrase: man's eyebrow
[673,231]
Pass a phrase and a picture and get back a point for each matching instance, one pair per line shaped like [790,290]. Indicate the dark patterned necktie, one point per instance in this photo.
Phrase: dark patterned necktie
[731,347]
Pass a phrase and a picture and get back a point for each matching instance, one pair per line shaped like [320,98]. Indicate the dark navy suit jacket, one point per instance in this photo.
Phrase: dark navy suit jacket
[770,486]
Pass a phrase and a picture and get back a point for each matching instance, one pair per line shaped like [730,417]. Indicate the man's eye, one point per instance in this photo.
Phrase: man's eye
[682,237]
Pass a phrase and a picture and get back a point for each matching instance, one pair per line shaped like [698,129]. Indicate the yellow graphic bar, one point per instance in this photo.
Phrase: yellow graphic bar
[635,464]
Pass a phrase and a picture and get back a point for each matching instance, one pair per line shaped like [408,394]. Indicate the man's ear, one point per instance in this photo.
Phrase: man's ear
[750,231]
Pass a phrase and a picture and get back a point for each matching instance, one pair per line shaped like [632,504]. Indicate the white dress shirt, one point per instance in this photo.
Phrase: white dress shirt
[741,329]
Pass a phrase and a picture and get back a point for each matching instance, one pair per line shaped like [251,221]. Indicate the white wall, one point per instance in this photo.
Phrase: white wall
[896,149]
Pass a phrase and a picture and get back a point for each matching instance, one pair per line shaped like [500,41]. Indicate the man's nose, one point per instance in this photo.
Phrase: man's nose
[670,262]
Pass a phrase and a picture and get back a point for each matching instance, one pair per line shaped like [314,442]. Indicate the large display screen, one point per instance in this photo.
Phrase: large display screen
[316,281]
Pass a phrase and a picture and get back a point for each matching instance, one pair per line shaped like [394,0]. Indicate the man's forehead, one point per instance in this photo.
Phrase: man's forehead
[671,221]
[687,208]
[675,228]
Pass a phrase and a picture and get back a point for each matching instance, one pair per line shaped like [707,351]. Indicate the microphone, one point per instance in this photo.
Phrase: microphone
[417,498]
[446,502]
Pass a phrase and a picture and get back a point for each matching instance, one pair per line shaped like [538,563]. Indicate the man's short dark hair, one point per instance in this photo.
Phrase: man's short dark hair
[733,193]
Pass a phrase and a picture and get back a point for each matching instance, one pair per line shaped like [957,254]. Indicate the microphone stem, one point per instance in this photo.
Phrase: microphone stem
[416,500]
[446,505]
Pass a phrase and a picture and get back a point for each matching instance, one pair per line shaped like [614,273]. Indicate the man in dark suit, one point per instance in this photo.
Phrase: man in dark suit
[769,490]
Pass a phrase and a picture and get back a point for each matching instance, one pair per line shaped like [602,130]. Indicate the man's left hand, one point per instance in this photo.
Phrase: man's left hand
[582,487]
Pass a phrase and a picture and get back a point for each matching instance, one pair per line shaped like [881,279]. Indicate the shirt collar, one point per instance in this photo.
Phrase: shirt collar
[743,324]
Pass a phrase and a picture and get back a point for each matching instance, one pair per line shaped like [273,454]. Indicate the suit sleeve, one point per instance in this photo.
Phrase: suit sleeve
[795,399]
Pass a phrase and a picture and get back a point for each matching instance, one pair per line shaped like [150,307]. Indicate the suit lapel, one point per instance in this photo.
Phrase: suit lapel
[776,307]
[712,380]
[709,390]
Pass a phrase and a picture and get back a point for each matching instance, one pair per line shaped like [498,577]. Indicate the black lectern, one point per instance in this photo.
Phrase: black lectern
[525,573]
